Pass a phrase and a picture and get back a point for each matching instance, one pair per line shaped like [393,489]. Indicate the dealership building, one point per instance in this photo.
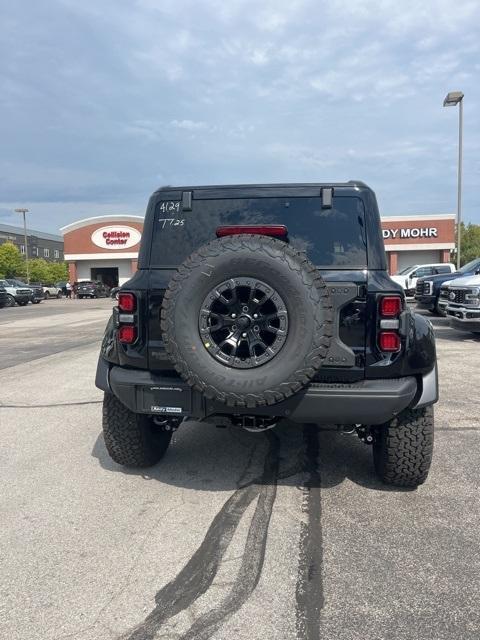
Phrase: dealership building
[103,248]
[411,240]
[106,248]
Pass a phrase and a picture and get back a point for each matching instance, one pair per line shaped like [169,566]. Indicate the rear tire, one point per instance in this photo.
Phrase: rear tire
[132,439]
[403,448]
[47,295]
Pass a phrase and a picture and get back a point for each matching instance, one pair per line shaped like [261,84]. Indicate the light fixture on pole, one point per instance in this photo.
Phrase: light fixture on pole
[24,211]
[451,100]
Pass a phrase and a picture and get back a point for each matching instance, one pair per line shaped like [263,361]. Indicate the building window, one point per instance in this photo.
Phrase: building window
[35,251]
[57,253]
[46,253]
[22,249]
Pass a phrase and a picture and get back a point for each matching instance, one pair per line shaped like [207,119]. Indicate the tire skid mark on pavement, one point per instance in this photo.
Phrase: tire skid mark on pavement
[309,591]
[253,558]
[199,573]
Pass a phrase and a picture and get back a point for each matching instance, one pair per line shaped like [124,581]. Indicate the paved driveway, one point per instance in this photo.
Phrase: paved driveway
[285,535]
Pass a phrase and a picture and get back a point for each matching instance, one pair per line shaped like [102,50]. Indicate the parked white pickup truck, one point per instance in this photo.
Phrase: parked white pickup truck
[407,278]
[463,306]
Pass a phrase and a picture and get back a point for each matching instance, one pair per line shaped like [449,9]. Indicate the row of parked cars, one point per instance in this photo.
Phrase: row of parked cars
[444,291]
[456,296]
[14,292]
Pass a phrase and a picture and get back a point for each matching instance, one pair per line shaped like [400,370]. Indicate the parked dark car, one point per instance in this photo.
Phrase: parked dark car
[37,290]
[90,289]
[3,297]
[256,303]
[427,291]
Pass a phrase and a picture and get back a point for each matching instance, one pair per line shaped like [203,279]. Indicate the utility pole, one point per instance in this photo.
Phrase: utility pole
[24,211]
[451,100]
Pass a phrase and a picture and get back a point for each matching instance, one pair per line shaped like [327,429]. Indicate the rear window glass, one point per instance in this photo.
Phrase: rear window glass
[333,237]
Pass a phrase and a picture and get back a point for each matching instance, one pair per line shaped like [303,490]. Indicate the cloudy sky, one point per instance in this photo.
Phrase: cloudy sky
[103,101]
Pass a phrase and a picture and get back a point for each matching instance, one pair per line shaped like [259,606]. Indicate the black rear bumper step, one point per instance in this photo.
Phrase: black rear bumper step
[364,402]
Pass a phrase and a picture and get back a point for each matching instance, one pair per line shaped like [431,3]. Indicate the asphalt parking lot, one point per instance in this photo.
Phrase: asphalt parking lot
[285,535]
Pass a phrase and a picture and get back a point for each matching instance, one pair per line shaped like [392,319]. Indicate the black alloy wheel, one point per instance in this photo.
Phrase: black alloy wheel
[243,323]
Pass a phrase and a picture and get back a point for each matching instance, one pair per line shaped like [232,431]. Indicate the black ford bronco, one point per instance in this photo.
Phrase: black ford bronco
[261,302]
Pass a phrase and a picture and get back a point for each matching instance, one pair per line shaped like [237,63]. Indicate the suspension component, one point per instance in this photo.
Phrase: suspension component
[365,433]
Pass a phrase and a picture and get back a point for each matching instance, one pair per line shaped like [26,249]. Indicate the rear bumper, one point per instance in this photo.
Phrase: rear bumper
[365,402]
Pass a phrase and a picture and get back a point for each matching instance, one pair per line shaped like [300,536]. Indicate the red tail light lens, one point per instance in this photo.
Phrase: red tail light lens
[126,302]
[389,341]
[127,334]
[390,306]
[275,230]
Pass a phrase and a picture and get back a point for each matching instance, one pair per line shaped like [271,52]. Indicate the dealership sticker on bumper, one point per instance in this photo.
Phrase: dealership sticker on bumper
[156,409]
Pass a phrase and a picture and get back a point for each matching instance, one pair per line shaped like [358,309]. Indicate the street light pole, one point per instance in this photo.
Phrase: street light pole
[459,180]
[451,100]
[24,211]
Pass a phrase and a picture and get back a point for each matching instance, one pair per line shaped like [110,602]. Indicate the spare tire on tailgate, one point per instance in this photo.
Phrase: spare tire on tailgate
[247,320]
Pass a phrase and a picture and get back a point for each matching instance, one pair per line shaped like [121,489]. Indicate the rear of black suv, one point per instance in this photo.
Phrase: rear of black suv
[261,302]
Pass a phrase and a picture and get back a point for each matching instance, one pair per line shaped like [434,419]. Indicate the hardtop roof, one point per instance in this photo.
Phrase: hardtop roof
[351,184]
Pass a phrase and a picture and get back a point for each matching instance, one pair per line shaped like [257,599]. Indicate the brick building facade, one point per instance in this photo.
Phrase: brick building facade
[40,245]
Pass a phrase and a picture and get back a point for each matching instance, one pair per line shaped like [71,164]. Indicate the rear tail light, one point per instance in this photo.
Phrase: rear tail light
[127,318]
[275,230]
[389,341]
[127,302]
[127,334]
[390,306]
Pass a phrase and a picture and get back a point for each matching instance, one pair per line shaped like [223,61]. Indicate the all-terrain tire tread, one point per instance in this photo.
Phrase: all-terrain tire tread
[403,449]
[127,436]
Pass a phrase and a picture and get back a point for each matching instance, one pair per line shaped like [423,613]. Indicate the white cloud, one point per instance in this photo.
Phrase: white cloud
[189,125]
[239,90]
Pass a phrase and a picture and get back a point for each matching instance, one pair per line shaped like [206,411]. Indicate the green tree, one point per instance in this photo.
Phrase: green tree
[470,242]
[58,272]
[39,270]
[11,262]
